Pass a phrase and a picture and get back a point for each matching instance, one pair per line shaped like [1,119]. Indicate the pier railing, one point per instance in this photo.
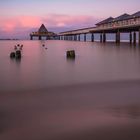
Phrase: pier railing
[120,24]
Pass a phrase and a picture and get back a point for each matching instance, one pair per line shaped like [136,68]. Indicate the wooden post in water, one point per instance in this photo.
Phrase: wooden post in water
[92,37]
[134,38]
[130,36]
[85,37]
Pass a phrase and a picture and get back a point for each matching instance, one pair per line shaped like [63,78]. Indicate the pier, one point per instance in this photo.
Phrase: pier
[43,32]
[122,24]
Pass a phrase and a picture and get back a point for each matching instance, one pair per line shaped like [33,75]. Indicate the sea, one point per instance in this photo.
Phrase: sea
[47,96]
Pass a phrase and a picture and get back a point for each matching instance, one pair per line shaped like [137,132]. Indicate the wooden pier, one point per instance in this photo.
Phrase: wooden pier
[121,24]
[43,32]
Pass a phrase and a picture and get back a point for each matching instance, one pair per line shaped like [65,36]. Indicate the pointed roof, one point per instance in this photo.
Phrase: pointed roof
[42,29]
[122,17]
[105,21]
[136,14]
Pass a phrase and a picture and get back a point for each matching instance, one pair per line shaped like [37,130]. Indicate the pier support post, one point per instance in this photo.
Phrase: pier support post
[85,37]
[79,37]
[130,37]
[139,36]
[134,38]
[39,37]
[118,37]
[31,37]
[70,38]
[104,37]
[101,38]
[75,37]
[92,37]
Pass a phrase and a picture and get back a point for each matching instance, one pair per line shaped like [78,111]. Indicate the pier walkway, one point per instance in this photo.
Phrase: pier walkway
[122,24]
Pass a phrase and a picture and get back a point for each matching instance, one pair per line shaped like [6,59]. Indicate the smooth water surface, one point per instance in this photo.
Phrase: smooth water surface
[45,96]
[40,68]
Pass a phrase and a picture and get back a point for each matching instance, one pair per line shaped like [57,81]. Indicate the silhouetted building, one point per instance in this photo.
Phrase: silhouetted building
[43,32]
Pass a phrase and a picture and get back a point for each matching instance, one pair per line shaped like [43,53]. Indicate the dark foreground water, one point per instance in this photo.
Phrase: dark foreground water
[44,96]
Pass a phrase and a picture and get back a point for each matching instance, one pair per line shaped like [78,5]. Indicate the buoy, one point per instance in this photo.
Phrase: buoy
[71,54]
[12,55]
[46,48]
[43,45]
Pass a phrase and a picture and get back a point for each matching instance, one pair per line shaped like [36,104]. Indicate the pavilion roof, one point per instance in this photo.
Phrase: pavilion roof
[42,29]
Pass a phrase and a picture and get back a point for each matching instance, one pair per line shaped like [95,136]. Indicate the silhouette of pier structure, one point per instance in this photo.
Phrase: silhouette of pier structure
[43,32]
[122,24]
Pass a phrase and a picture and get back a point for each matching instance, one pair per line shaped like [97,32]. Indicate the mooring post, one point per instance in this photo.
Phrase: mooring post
[134,38]
[92,37]
[130,36]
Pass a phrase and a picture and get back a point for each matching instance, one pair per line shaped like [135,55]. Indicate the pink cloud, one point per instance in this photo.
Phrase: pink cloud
[12,25]
[66,20]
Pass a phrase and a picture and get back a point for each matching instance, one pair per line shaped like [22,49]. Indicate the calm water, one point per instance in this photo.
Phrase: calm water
[41,68]
[94,97]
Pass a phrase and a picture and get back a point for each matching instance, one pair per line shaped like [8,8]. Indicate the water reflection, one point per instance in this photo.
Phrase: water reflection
[130,111]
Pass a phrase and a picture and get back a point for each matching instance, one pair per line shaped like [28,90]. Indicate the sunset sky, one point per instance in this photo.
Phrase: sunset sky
[20,17]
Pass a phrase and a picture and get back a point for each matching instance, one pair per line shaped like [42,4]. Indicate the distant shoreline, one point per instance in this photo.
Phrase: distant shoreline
[8,39]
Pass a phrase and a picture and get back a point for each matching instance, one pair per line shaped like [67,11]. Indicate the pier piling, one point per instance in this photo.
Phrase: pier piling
[104,37]
[130,37]
[85,37]
[92,37]
[139,36]
[134,38]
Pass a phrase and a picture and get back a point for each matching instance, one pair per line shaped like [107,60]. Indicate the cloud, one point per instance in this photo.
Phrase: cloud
[25,24]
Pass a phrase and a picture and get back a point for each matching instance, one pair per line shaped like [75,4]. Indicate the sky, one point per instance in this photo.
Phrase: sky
[20,17]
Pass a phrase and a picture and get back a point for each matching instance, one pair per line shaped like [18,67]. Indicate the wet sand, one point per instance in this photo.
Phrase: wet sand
[92,111]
